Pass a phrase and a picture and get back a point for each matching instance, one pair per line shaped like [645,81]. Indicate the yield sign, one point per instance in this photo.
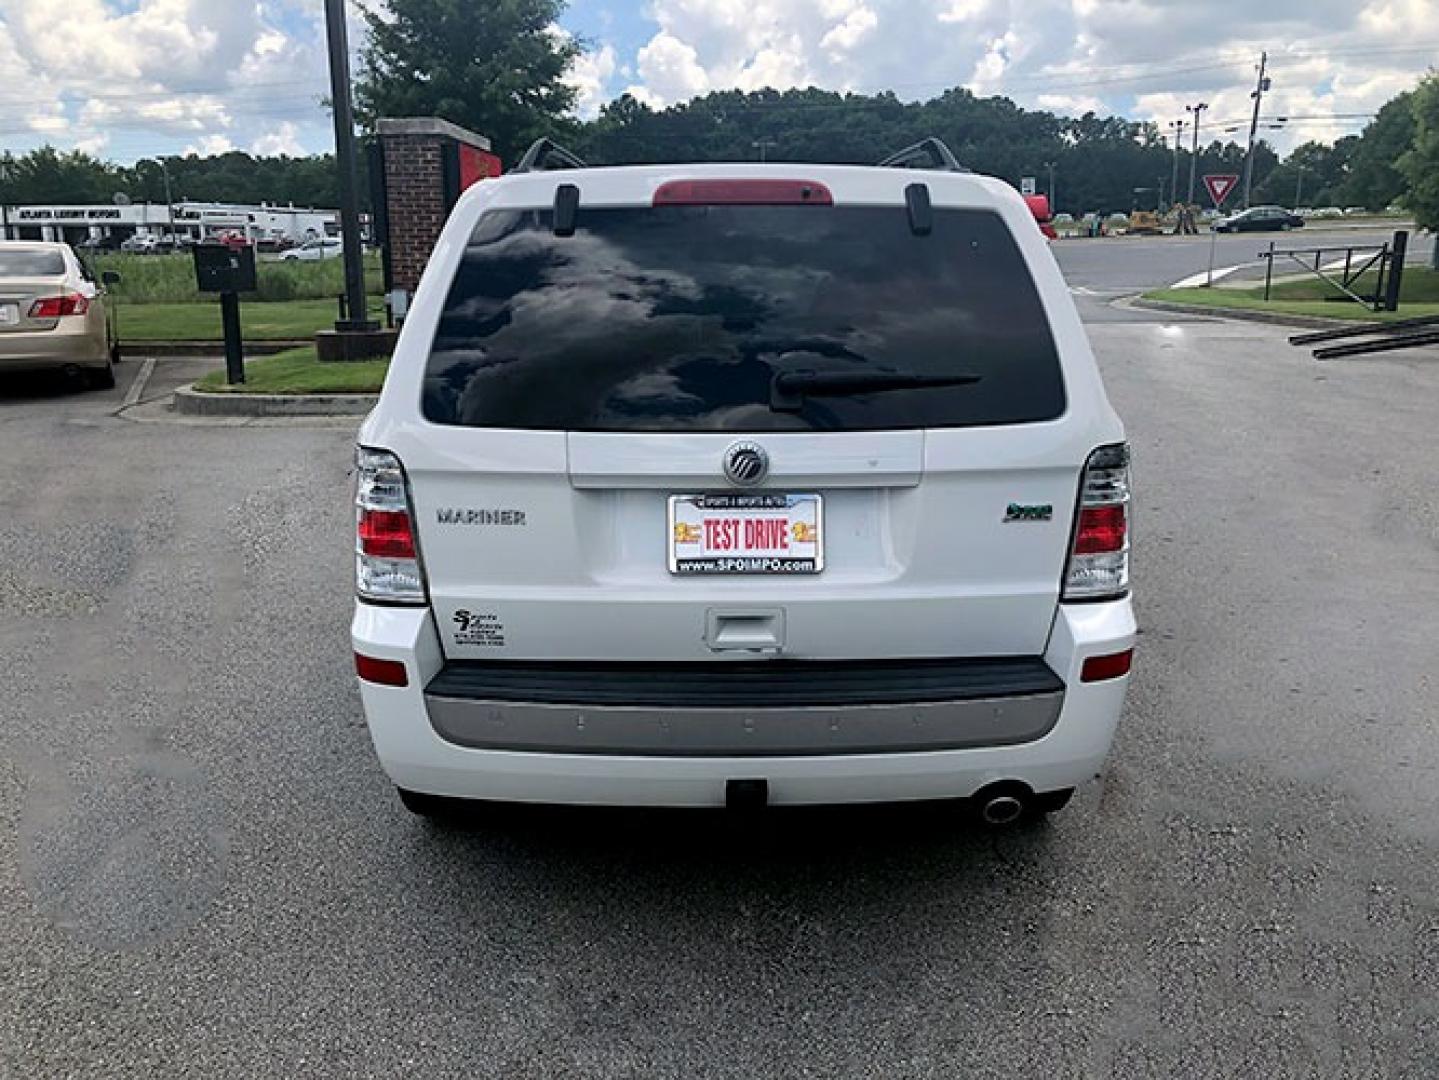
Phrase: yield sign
[1220,185]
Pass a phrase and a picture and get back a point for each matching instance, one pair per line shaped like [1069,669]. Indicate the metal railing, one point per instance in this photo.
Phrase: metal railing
[1387,259]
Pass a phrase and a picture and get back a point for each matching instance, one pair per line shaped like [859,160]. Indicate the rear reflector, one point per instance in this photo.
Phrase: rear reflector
[386,534]
[742,193]
[383,672]
[1099,668]
[58,307]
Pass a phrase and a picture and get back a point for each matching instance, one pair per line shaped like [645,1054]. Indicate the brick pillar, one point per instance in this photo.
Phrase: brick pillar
[423,176]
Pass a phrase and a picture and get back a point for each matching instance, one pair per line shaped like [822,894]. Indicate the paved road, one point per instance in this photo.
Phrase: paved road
[203,873]
[1117,265]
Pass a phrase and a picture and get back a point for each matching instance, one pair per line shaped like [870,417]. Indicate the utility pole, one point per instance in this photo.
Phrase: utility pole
[1053,205]
[1178,126]
[1161,194]
[1194,155]
[339,42]
[1298,185]
[1258,96]
[762,145]
[169,198]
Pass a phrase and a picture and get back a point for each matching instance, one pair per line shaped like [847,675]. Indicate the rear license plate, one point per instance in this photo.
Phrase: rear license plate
[9,314]
[746,534]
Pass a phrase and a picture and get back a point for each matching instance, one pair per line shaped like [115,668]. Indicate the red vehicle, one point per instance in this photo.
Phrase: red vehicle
[233,239]
[1039,207]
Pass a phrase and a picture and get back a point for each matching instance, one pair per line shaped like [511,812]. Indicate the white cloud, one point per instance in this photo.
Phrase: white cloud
[858,25]
[141,76]
[590,75]
[671,69]
[283,140]
[1140,58]
[210,145]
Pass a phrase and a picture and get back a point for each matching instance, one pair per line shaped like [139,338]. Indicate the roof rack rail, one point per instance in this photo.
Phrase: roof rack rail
[545,154]
[928,153]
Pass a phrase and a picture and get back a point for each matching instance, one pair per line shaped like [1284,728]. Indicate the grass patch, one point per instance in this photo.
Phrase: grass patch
[299,371]
[170,279]
[290,320]
[1419,295]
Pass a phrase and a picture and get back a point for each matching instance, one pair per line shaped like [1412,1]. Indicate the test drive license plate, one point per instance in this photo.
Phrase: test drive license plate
[746,534]
[9,314]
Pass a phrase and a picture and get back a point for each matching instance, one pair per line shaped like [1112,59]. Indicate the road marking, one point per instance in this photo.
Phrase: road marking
[1193,281]
[132,395]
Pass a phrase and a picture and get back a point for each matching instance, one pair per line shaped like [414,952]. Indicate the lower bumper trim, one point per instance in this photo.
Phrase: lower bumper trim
[728,732]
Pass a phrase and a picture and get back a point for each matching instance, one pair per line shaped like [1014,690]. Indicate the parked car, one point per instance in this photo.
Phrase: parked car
[1328,212]
[1350,211]
[742,484]
[233,239]
[141,244]
[53,313]
[314,251]
[1259,219]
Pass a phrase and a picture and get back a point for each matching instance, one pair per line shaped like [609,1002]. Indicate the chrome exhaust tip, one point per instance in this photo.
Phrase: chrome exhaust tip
[1003,803]
[1001,810]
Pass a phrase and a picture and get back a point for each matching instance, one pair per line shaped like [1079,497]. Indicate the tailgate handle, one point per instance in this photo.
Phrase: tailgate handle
[755,630]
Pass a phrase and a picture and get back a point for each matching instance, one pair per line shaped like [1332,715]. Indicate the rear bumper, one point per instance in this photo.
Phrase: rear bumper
[634,753]
[39,350]
[744,709]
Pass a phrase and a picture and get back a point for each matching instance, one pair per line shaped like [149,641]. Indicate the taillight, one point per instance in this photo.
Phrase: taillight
[387,559]
[1099,562]
[57,307]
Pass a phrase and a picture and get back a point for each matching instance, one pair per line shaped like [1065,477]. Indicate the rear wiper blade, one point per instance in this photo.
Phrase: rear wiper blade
[788,389]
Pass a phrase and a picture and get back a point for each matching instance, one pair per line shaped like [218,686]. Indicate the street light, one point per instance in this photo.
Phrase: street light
[762,145]
[169,199]
[1178,127]
[1196,110]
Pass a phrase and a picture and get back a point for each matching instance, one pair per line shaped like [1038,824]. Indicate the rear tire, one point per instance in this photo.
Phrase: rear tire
[102,378]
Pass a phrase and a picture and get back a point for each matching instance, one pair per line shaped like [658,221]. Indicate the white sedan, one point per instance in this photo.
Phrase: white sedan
[315,251]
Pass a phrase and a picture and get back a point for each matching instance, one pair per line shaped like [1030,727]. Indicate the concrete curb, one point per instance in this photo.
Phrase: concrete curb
[1274,318]
[206,348]
[192,402]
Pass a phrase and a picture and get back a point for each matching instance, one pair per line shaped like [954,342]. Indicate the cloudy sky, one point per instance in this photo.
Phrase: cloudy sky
[131,78]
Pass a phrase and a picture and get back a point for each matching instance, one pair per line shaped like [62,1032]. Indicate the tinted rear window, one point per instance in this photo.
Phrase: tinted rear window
[678,318]
[26,264]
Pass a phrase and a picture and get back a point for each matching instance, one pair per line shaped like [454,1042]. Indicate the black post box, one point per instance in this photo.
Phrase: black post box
[220,269]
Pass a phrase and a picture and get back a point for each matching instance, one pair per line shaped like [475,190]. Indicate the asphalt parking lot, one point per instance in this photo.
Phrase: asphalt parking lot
[203,872]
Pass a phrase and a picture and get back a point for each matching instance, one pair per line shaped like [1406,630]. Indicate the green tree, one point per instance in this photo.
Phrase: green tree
[49,176]
[1419,165]
[1373,179]
[495,67]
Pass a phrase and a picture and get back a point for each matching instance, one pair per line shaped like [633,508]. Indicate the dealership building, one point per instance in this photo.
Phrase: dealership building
[195,220]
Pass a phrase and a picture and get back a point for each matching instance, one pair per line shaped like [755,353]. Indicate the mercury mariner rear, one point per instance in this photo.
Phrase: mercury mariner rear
[729,484]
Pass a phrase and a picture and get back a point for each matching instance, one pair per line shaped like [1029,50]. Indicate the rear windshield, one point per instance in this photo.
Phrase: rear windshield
[25,264]
[679,318]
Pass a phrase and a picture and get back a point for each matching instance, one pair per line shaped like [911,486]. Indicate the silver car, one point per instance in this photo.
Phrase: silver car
[53,314]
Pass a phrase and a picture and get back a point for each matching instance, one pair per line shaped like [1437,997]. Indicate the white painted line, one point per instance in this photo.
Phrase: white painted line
[1193,281]
[132,395]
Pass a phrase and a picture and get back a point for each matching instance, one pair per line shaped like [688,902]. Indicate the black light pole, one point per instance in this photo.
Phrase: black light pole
[1178,126]
[349,179]
[1194,155]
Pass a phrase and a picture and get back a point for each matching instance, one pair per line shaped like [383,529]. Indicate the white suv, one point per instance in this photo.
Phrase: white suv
[699,485]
